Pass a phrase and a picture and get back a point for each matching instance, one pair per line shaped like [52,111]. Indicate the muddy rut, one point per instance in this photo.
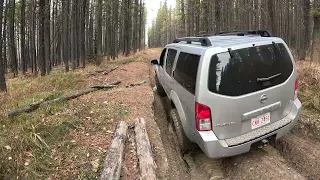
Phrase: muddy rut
[292,157]
[268,162]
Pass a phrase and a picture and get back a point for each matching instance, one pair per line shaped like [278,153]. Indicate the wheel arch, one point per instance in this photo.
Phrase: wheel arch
[176,103]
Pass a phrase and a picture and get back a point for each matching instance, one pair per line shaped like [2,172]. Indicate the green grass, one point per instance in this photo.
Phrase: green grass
[44,143]
[315,13]
[45,134]
[52,142]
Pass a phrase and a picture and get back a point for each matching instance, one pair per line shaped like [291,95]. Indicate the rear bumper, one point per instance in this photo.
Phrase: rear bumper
[215,148]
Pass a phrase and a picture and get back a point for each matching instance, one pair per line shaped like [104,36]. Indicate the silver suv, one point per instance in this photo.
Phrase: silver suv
[229,90]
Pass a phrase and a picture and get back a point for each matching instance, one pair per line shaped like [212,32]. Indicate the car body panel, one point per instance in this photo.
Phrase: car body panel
[231,116]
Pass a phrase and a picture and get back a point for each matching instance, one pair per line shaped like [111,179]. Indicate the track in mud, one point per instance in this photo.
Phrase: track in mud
[188,166]
[291,157]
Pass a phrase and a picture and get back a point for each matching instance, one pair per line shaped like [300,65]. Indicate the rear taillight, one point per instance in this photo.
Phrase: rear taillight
[296,86]
[203,117]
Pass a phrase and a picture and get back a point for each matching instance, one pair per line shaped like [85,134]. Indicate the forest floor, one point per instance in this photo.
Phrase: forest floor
[69,140]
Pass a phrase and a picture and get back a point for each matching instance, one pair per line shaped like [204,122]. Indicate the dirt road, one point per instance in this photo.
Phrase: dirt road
[293,157]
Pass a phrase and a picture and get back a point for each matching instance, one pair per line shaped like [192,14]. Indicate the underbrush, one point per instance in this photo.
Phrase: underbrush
[309,85]
[309,95]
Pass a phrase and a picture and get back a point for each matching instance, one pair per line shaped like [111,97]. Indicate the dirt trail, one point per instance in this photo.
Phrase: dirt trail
[302,153]
[290,158]
[181,166]
[264,163]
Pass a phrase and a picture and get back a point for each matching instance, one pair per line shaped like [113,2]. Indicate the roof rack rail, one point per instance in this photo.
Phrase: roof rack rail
[262,33]
[203,40]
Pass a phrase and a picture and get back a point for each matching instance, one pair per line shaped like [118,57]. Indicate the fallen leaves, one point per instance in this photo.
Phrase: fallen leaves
[95,165]
[28,154]
[8,147]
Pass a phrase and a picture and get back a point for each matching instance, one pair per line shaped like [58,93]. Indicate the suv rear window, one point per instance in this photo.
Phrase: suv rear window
[186,71]
[239,74]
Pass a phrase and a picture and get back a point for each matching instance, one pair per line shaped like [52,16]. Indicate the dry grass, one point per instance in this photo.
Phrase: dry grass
[65,140]
[309,94]
[309,80]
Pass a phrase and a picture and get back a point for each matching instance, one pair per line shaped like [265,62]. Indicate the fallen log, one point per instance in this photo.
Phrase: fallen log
[113,161]
[106,86]
[136,84]
[144,152]
[26,109]
[34,106]
[104,72]
[110,70]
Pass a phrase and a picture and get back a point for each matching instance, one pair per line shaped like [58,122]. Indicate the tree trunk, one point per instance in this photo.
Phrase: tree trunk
[183,19]
[33,39]
[65,46]
[3,86]
[316,41]
[306,31]
[12,42]
[22,32]
[42,53]
[82,32]
[46,35]
[99,32]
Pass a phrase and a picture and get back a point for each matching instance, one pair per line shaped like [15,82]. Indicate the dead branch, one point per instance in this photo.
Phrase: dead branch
[111,85]
[110,70]
[104,72]
[34,106]
[113,161]
[136,84]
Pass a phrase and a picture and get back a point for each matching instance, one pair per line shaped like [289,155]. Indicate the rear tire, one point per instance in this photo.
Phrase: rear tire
[160,89]
[184,143]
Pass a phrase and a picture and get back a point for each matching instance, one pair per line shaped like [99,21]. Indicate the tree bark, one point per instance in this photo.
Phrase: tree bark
[113,162]
[99,32]
[146,162]
[316,41]
[3,86]
[47,36]
[12,42]
[22,33]
[42,54]
[33,39]
[65,36]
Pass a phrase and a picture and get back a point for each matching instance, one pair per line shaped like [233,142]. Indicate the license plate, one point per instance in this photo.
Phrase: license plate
[260,121]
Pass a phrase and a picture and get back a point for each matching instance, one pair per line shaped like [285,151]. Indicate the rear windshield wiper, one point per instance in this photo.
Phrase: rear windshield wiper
[268,78]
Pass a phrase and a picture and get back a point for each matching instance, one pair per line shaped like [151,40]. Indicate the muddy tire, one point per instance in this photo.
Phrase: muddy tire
[160,89]
[184,143]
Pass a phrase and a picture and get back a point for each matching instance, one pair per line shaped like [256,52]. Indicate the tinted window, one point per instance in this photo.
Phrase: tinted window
[186,71]
[241,74]
[170,60]
[163,54]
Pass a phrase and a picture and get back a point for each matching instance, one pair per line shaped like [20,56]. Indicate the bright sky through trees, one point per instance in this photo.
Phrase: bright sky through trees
[152,7]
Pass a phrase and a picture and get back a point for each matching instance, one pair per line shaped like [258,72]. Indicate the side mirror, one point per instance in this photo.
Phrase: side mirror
[154,62]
